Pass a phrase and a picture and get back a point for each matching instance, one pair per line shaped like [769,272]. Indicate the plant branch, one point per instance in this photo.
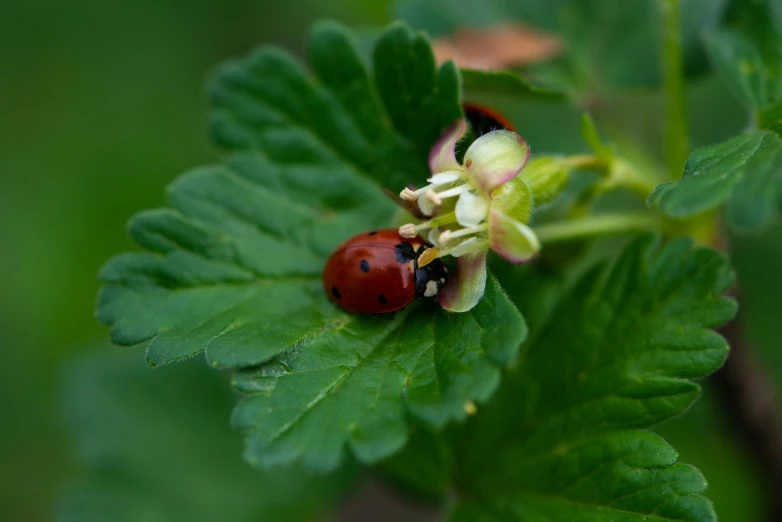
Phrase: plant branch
[616,173]
[598,225]
[677,144]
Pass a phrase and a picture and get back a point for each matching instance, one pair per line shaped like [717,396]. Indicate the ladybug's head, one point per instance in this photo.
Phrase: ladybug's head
[430,279]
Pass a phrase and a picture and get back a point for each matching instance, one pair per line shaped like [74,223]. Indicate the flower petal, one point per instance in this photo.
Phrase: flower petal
[511,239]
[445,177]
[434,237]
[495,158]
[425,205]
[471,209]
[442,157]
[466,286]
[470,246]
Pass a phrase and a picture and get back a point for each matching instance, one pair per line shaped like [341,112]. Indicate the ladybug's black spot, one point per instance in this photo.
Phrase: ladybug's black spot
[404,253]
[336,293]
[364,265]
[382,299]
[372,233]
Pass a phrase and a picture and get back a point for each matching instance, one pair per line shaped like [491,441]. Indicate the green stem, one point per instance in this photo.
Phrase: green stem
[599,225]
[445,219]
[616,173]
[677,146]
[589,162]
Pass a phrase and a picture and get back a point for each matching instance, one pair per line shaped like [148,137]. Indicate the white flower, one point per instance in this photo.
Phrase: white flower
[491,211]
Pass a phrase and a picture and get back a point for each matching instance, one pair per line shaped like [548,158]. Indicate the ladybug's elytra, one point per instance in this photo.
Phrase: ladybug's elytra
[377,272]
[484,120]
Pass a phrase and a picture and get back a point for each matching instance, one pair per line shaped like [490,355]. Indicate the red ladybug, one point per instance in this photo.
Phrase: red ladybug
[483,119]
[377,272]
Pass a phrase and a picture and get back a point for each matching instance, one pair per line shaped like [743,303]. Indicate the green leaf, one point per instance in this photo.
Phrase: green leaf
[747,55]
[155,446]
[616,356]
[424,467]
[735,485]
[622,476]
[745,171]
[356,384]
[344,118]
[233,267]
[755,199]
[509,83]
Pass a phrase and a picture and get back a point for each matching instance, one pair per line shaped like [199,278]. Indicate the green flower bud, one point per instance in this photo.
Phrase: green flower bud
[514,199]
[546,177]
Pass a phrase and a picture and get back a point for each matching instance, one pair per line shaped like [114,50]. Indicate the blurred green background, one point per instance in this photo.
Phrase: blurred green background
[101,105]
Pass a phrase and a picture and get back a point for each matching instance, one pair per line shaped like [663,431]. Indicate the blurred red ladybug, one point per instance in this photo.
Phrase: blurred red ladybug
[483,120]
[377,272]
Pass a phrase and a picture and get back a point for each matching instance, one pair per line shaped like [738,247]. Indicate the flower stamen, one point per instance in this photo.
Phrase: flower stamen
[445,237]
[412,195]
[492,210]
[434,198]
[411,230]
[449,234]
[408,231]
[408,195]
[453,192]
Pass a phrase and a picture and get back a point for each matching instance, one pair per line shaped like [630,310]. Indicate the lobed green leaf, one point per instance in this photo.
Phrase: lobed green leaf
[376,124]
[747,55]
[233,267]
[498,83]
[562,438]
[356,384]
[622,477]
[744,171]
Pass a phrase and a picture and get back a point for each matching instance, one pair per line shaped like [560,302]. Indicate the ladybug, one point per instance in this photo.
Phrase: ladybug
[377,272]
[484,120]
